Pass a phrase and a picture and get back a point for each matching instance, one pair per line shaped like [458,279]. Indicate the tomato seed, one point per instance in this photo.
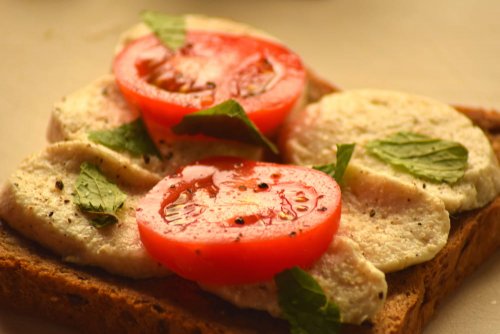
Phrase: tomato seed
[59,185]
[302,208]
[285,216]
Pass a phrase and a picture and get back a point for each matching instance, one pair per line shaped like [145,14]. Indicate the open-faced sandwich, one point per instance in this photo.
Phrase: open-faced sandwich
[213,184]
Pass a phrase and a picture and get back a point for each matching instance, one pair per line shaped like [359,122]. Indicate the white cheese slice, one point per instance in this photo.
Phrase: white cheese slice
[33,205]
[347,278]
[100,106]
[364,115]
[396,224]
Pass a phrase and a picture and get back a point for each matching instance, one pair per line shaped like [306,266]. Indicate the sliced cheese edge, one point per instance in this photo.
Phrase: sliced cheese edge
[395,224]
[361,116]
[100,106]
[347,278]
[33,205]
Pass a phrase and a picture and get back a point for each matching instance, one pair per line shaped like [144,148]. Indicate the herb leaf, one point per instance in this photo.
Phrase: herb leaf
[103,220]
[171,30]
[305,305]
[427,158]
[344,154]
[227,120]
[96,196]
[132,137]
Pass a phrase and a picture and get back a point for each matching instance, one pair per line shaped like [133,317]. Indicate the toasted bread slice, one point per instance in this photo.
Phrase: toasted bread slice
[34,281]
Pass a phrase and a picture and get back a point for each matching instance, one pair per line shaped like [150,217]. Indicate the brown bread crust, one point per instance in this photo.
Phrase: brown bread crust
[34,281]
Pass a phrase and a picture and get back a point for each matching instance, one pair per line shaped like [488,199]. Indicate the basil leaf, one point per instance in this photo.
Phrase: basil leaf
[103,220]
[132,137]
[427,158]
[96,196]
[171,30]
[327,169]
[344,154]
[227,120]
[305,305]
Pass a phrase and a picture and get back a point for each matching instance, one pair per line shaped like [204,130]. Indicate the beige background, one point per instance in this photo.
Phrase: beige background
[446,49]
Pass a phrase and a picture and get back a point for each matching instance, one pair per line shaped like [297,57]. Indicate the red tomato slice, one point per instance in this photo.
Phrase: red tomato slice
[233,221]
[264,77]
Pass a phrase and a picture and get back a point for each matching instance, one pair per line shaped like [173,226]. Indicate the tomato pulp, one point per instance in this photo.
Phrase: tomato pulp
[266,78]
[232,221]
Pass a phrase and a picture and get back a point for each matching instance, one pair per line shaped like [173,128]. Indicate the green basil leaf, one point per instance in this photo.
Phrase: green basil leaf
[171,30]
[103,220]
[344,154]
[96,196]
[427,158]
[132,137]
[227,120]
[327,169]
[305,305]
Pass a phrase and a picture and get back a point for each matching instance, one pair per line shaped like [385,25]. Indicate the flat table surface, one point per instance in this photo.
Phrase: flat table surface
[446,49]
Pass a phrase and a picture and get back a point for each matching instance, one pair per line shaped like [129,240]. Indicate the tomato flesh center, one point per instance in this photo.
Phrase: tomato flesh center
[243,201]
[186,72]
[179,72]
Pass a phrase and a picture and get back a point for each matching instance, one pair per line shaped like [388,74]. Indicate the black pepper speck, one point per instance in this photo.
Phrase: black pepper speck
[263,185]
[59,185]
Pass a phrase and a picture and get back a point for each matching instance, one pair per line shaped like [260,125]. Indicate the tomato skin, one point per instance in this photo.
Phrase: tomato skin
[212,68]
[219,251]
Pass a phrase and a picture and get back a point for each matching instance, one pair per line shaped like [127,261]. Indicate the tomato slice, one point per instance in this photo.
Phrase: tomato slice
[264,77]
[233,221]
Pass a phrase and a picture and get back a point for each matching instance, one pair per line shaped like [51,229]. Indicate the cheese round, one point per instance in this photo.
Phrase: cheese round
[395,224]
[101,106]
[346,277]
[34,205]
[361,116]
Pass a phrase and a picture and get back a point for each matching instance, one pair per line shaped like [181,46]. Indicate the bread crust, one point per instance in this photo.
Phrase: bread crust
[34,281]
